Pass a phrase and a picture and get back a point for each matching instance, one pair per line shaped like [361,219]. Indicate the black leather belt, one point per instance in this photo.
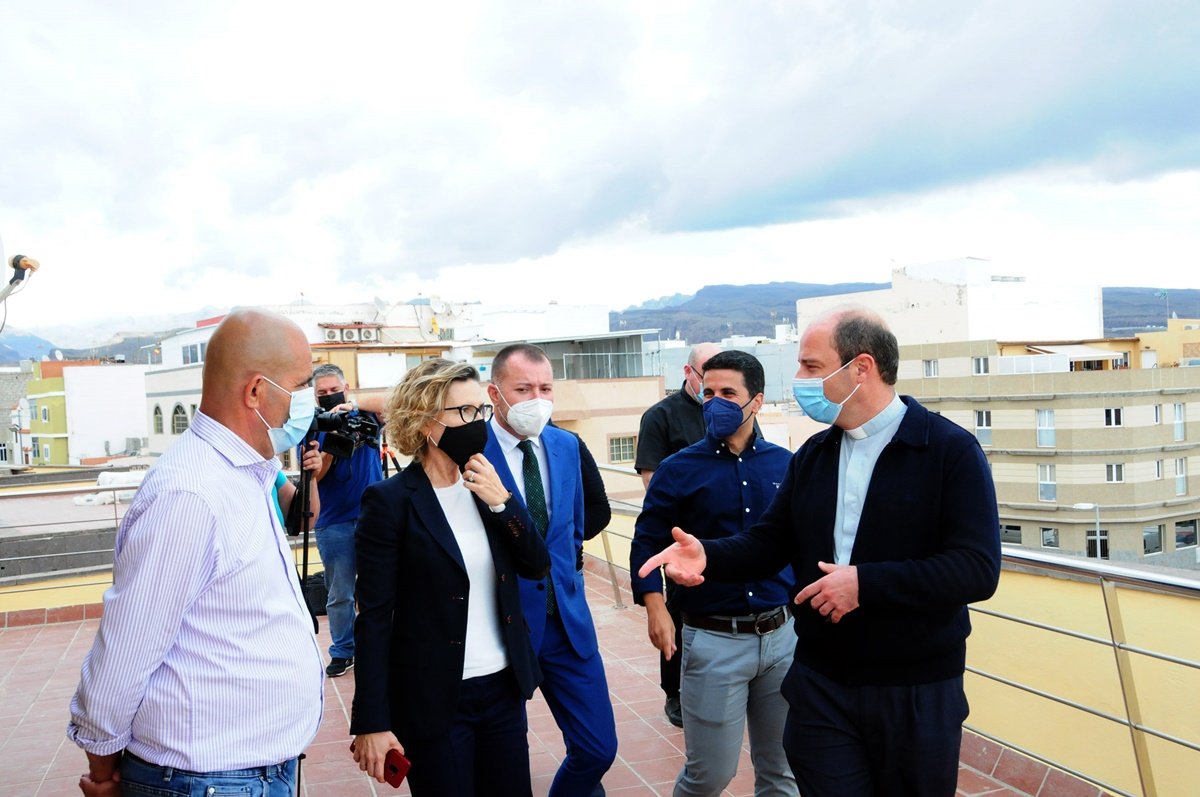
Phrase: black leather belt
[761,624]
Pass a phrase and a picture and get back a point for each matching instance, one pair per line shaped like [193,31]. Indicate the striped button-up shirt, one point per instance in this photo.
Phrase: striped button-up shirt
[205,659]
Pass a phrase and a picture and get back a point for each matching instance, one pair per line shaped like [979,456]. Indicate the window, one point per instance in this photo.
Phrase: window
[1049,538]
[1010,535]
[158,421]
[1112,417]
[1181,476]
[931,368]
[3,452]
[1045,428]
[1097,543]
[1157,414]
[1185,534]
[194,353]
[1114,474]
[979,365]
[983,427]
[46,451]
[35,450]
[1047,489]
[1180,422]
[1152,537]
[179,420]
[1158,469]
[621,449]
[45,414]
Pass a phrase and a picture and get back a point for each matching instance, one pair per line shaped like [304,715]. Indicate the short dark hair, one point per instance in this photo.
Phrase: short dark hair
[863,333]
[744,363]
[527,350]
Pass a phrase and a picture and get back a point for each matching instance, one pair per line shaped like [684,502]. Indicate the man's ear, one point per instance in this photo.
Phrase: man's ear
[757,403]
[252,394]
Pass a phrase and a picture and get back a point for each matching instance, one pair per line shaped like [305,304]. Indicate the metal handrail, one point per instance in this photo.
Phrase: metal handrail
[1109,577]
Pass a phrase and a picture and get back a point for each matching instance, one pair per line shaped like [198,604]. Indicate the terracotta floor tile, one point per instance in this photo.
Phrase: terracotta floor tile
[1020,772]
[39,669]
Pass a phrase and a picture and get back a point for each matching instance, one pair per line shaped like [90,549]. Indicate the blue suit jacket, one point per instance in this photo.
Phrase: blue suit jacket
[563,539]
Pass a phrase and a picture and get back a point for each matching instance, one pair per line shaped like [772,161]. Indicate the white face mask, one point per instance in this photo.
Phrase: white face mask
[528,418]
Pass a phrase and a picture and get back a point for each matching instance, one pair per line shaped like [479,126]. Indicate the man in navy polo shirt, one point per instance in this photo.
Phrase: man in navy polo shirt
[737,637]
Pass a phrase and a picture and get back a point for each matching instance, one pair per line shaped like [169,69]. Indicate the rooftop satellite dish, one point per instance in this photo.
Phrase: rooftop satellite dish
[58,355]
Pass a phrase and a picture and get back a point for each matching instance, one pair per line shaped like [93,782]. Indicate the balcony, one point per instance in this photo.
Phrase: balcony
[1084,679]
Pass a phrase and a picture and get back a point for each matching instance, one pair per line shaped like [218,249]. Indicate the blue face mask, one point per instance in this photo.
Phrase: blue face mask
[810,395]
[300,418]
[723,417]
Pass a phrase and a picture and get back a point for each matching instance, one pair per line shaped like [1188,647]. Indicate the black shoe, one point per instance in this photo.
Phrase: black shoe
[674,712]
[339,666]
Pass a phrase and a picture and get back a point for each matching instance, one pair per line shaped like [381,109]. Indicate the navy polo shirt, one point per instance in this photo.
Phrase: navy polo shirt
[711,493]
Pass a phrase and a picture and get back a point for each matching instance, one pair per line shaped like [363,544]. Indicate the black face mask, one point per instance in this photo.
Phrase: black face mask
[460,443]
[331,400]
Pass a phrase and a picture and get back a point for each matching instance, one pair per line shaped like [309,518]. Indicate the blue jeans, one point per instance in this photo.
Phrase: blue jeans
[142,779]
[335,543]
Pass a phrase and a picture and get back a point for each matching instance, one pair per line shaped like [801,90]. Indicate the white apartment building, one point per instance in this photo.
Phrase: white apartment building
[1094,447]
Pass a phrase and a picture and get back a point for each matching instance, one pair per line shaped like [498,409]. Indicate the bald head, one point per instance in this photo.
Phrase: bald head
[700,354]
[248,345]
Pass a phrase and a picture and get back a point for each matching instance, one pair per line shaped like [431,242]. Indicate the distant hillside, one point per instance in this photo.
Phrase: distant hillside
[1127,310]
[718,311]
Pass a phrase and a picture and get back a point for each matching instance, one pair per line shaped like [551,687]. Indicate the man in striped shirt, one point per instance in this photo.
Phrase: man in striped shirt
[205,671]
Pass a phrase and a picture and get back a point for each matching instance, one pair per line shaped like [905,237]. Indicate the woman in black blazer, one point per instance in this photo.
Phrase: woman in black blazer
[443,662]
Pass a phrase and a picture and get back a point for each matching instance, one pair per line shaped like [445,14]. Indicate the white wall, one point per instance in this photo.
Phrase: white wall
[105,403]
[166,388]
[960,300]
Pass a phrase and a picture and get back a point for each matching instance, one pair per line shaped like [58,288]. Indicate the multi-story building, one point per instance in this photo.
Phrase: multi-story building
[1089,437]
[82,412]
[13,440]
[374,345]
[1090,456]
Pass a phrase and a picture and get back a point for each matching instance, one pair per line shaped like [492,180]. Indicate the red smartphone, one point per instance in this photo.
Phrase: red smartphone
[395,767]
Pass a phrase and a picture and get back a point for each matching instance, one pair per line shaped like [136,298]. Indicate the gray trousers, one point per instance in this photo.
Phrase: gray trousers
[727,681]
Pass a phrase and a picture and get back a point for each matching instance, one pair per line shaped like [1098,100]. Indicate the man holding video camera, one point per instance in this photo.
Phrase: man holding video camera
[340,485]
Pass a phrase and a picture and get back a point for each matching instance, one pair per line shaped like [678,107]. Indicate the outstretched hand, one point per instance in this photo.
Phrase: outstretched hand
[684,560]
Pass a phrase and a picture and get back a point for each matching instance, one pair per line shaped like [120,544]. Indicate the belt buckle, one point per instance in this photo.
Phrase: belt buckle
[764,619]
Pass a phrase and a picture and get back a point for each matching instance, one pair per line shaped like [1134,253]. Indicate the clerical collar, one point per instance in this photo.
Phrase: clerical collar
[882,420]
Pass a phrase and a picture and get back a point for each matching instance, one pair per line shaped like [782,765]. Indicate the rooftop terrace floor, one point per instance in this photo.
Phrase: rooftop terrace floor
[39,668]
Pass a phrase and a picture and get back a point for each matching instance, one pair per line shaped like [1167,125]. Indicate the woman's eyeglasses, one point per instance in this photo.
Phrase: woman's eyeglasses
[470,413]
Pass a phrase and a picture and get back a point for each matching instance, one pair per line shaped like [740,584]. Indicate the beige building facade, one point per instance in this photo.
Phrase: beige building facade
[1090,456]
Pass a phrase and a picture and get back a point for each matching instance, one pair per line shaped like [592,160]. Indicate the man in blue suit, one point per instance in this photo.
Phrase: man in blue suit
[541,465]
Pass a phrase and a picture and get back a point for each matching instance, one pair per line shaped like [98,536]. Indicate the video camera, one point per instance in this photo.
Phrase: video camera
[346,431]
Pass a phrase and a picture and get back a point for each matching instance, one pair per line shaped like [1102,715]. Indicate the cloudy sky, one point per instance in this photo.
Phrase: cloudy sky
[166,157]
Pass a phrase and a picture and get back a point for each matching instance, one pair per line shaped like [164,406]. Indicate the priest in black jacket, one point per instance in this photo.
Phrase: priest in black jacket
[889,520]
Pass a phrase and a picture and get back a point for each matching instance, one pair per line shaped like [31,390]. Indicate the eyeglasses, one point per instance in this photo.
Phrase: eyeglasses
[470,413]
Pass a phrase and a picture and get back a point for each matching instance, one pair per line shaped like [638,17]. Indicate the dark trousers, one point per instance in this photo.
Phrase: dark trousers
[485,752]
[873,741]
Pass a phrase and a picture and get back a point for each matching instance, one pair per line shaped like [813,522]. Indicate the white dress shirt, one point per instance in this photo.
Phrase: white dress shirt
[205,659]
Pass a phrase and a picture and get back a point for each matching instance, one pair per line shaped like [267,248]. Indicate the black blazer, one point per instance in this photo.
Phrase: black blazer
[412,595]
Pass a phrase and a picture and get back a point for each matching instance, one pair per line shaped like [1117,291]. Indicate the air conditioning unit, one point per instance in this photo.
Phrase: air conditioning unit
[369,334]
[333,336]
[349,334]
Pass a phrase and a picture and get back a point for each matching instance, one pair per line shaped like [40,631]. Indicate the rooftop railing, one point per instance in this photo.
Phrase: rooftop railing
[1085,666]
[1088,667]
